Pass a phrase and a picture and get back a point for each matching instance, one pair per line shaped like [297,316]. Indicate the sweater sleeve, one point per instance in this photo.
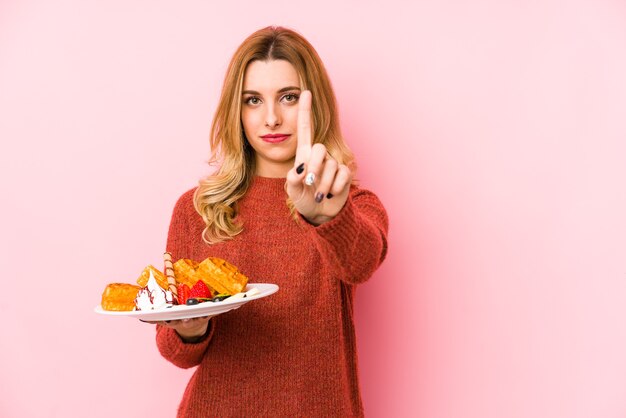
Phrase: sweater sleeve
[179,353]
[354,243]
[169,343]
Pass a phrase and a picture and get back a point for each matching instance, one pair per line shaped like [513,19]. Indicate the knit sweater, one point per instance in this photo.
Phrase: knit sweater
[292,353]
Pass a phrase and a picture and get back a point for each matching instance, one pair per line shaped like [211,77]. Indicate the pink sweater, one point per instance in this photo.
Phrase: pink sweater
[292,353]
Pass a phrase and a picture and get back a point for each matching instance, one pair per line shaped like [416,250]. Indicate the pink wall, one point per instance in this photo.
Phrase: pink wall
[494,133]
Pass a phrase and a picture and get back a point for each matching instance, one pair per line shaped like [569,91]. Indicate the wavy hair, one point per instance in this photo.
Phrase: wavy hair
[217,195]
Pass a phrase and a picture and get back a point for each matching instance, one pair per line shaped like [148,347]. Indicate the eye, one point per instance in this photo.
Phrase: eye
[252,100]
[290,98]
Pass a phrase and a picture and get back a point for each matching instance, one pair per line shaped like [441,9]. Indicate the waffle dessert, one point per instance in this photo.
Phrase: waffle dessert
[119,297]
[222,276]
[154,289]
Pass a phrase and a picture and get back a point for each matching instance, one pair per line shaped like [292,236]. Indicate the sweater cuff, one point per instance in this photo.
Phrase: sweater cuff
[179,352]
[342,229]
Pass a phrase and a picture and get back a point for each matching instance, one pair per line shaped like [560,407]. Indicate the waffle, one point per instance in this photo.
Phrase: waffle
[221,276]
[119,297]
[185,271]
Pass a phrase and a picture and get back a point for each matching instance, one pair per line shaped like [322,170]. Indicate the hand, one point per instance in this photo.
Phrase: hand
[320,190]
[188,329]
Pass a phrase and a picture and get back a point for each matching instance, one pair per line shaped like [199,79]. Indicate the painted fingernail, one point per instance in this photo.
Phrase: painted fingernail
[329,196]
[300,168]
[309,179]
[319,197]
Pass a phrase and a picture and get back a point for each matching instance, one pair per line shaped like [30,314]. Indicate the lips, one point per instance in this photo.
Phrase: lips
[275,138]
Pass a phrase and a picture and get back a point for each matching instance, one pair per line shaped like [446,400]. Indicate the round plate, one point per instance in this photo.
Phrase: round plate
[194,311]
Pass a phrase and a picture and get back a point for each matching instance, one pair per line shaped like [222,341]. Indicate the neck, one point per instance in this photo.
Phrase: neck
[276,170]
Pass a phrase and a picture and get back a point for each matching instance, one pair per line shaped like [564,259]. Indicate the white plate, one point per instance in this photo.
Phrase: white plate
[194,311]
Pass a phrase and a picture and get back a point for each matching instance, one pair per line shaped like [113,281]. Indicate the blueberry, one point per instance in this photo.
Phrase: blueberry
[192,301]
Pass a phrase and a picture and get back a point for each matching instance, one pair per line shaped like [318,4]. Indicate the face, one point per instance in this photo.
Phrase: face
[269,114]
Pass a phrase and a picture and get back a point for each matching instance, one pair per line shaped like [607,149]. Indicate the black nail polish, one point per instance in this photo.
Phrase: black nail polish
[300,168]
[329,196]
[319,197]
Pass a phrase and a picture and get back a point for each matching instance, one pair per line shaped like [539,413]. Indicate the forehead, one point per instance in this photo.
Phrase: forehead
[268,76]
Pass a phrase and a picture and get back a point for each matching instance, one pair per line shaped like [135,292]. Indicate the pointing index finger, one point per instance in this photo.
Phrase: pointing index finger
[304,127]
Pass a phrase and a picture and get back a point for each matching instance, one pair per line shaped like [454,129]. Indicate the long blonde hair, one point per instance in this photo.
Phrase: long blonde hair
[216,197]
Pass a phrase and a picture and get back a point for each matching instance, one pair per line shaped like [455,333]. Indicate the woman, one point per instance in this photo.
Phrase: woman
[281,207]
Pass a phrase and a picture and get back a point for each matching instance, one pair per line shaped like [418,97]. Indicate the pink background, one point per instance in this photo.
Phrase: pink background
[492,130]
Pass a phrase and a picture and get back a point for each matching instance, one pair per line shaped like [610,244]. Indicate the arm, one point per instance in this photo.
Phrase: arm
[349,225]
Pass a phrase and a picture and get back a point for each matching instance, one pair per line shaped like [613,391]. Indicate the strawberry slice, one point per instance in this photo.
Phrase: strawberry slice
[183,293]
[200,291]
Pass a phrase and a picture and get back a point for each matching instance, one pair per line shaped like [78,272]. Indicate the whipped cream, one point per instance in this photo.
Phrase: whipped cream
[153,296]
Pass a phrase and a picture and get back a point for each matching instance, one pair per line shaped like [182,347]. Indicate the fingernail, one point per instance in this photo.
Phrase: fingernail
[319,196]
[300,168]
[310,179]
[329,196]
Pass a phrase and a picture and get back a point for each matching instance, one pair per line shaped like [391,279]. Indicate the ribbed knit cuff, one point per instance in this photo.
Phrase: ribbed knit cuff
[182,354]
[342,228]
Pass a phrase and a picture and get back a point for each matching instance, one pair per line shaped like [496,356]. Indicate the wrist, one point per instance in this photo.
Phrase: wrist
[317,220]
[191,337]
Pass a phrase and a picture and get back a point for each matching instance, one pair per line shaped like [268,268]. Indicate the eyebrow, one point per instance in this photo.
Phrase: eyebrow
[284,89]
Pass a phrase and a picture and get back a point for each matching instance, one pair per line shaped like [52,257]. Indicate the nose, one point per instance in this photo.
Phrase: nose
[272,116]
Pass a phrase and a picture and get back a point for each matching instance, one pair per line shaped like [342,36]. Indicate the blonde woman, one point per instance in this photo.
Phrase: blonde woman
[282,207]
